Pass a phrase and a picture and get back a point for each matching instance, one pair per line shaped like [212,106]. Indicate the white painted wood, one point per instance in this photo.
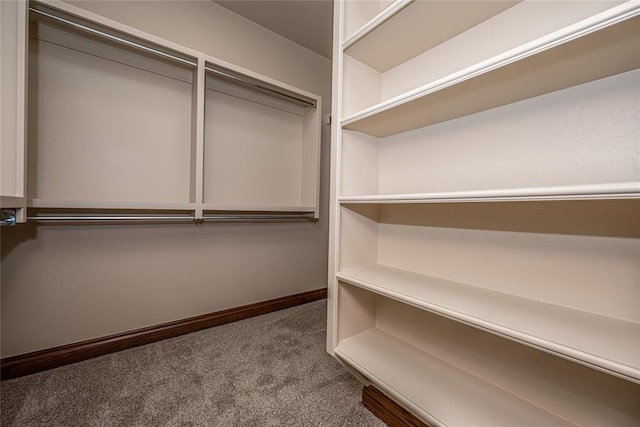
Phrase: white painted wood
[179,176]
[358,13]
[575,142]
[435,389]
[594,48]
[257,208]
[569,390]
[356,311]
[605,342]
[310,185]
[109,204]
[362,86]
[577,270]
[520,24]
[408,28]
[360,155]
[11,201]
[101,129]
[624,190]
[358,239]
[239,135]
[13,69]
[534,111]
[334,177]
[198,96]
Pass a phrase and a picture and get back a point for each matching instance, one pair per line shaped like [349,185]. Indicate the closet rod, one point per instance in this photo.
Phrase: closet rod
[261,87]
[111,218]
[141,218]
[114,38]
[259,217]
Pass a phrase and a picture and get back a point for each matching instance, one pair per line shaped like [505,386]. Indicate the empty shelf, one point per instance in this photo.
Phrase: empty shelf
[589,50]
[408,28]
[606,343]
[567,192]
[438,391]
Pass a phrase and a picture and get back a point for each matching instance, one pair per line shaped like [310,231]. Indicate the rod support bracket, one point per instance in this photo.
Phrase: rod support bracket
[8,217]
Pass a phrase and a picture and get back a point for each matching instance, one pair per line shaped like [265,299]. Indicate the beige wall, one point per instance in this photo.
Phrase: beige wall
[63,284]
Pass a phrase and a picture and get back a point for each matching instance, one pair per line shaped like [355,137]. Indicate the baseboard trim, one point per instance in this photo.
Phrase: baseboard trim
[390,412]
[42,360]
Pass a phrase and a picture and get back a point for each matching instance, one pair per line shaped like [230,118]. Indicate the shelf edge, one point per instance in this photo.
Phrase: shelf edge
[388,389]
[107,204]
[582,28]
[375,22]
[618,190]
[587,359]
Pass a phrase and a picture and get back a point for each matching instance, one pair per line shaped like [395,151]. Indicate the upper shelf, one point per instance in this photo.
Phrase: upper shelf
[407,28]
[630,190]
[108,204]
[592,49]
[598,341]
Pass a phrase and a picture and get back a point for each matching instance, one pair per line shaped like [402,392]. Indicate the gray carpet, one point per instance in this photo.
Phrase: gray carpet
[270,370]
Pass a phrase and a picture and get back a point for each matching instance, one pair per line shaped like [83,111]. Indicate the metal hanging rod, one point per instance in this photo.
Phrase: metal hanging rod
[106,217]
[221,72]
[266,217]
[262,87]
[258,217]
[113,38]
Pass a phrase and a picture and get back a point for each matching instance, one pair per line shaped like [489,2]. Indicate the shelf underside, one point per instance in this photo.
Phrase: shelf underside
[404,34]
[514,76]
[598,341]
[434,389]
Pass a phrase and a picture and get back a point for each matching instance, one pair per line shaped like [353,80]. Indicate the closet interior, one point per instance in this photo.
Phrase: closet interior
[124,125]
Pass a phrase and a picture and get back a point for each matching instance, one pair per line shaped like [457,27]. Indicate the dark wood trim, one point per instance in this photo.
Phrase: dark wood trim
[42,360]
[390,412]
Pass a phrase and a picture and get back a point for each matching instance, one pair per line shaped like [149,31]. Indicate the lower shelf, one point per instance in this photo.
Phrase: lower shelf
[449,373]
[602,342]
[424,383]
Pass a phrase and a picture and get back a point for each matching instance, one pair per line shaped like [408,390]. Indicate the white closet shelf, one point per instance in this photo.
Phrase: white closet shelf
[601,342]
[376,22]
[422,382]
[258,208]
[398,33]
[607,191]
[11,201]
[108,204]
[592,49]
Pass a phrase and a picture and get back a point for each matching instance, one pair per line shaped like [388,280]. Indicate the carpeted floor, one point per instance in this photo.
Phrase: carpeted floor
[270,370]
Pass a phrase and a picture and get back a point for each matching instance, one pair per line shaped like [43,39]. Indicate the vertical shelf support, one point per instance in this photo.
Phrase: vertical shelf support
[199,97]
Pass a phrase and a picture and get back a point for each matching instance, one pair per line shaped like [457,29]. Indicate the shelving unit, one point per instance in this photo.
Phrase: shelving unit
[563,59]
[399,30]
[278,123]
[123,120]
[476,378]
[13,51]
[610,344]
[371,351]
[485,197]
[612,191]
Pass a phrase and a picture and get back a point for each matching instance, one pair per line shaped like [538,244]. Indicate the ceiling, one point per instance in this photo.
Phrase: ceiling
[306,22]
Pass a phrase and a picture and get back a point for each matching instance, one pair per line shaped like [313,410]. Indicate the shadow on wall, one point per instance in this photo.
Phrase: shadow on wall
[609,218]
[11,237]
